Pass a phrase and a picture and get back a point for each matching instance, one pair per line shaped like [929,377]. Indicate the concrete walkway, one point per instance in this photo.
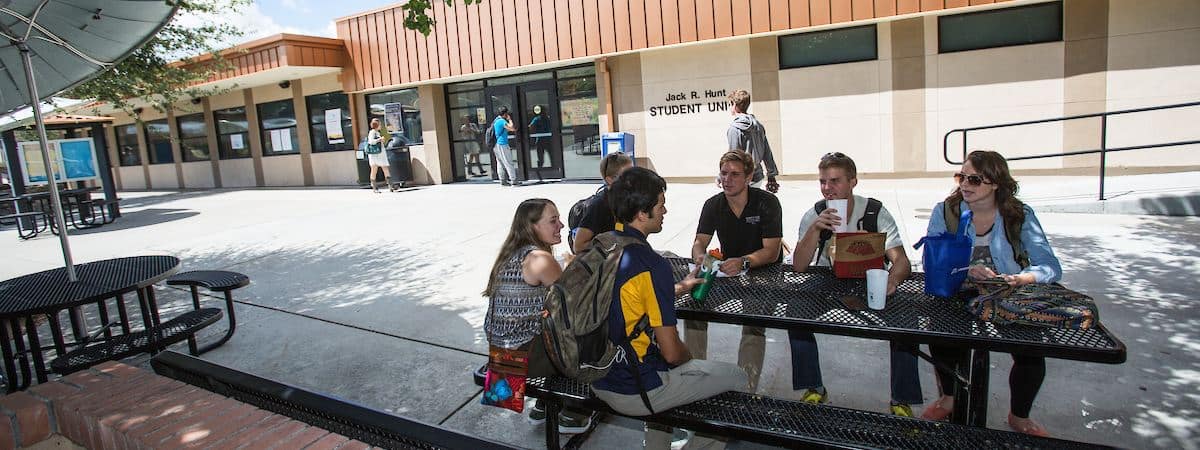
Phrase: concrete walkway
[375,297]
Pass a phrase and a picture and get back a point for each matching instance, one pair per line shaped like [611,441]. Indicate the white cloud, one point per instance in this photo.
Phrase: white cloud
[254,24]
[295,5]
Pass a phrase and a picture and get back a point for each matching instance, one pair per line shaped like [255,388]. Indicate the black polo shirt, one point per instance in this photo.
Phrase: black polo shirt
[762,218]
[599,217]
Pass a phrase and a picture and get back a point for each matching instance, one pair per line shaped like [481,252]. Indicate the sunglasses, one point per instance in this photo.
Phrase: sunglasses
[831,155]
[972,179]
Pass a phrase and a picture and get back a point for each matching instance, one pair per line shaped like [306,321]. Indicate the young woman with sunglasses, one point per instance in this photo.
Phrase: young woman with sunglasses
[988,190]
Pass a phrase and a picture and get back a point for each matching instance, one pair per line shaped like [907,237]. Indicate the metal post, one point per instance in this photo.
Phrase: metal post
[964,159]
[55,201]
[1103,151]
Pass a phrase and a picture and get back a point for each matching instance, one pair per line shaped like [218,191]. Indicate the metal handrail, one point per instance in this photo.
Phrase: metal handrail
[1103,150]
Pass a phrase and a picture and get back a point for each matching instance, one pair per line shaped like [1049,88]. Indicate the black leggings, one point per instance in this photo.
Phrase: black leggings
[1024,380]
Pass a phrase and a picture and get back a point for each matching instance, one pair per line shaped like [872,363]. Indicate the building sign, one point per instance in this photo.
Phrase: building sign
[72,160]
[691,102]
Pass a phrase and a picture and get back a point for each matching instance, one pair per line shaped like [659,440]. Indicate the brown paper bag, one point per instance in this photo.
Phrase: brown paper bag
[855,253]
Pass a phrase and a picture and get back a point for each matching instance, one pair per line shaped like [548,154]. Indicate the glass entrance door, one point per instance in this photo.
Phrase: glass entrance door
[536,145]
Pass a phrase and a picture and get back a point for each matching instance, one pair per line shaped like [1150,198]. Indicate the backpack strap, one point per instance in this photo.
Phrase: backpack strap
[870,219]
[825,234]
[642,326]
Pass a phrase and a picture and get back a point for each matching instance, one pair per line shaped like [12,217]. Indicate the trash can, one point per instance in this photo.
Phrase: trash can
[617,142]
[399,161]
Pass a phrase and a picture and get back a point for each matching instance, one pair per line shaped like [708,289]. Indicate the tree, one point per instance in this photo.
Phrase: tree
[150,74]
[416,14]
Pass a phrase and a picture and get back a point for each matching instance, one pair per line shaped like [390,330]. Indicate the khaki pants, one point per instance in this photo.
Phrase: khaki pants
[751,349]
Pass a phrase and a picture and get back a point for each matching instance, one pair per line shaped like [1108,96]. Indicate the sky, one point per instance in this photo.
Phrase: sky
[310,17]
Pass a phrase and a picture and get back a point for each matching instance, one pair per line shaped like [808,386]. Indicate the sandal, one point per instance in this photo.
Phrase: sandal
[1030,427]
[937,412]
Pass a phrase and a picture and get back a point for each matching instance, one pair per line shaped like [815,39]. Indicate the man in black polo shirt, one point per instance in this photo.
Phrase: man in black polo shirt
[599,217]
[749,223]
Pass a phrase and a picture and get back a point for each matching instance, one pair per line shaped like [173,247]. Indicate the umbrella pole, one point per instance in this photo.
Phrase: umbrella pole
[55,201]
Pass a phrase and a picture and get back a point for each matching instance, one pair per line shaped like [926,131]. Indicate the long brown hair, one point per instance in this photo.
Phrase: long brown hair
[520,234]
[994,168]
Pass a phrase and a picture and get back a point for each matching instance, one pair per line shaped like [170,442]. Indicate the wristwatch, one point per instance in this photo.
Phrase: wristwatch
[745,263]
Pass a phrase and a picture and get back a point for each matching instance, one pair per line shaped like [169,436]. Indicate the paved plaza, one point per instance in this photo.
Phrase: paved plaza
[376,297]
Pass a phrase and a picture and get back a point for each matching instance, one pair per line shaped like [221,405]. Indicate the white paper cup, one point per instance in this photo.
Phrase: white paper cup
[877,288]
[841,206]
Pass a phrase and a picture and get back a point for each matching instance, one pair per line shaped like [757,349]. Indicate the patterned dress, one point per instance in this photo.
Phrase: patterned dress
[514,314]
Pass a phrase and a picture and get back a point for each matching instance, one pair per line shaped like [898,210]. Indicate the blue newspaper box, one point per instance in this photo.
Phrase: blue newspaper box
[617,142]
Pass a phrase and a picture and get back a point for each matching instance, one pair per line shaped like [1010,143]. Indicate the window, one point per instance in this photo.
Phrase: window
[193,137]
[232,133]
[404,114]
[127,145]
[158,142]
[1000,27]
[836,46]
[278,123]
[336,103]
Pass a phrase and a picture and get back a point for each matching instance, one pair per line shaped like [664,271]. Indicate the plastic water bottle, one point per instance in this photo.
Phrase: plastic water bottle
[708,272]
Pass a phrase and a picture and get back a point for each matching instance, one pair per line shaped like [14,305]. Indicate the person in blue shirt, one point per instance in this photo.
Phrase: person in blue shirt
[645,289]
[504,164]
[988,190]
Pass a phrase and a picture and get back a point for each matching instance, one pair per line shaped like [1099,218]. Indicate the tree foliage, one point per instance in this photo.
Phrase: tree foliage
[149,74]
[416,14]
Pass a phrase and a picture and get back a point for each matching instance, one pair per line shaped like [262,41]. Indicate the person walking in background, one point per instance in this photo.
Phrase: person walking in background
[503,153]
[378,160]
[749,223]
[748,135]
[539,131]
[516,290]
[469,130]
[1010,244]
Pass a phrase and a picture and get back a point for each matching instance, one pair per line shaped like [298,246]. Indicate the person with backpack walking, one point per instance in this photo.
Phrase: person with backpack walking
[749,223]
[654,371]
[595,217]
[376,157]
[747,134]
[838,176]
[500,127]
[520,278]
[1009,244]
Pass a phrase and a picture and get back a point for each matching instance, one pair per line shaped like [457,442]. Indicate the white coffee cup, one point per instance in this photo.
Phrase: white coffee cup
[877,280]
[841,206]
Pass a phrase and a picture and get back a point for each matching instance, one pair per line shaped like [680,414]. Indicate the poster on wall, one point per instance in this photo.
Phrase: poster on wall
[580,111]
[392,117]
[72,160]
[236,142]
[333,126]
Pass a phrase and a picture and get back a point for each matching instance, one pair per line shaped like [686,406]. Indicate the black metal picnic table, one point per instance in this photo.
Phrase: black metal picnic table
[49,292]
[776,296]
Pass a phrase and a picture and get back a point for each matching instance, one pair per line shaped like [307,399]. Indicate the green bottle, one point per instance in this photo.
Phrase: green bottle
[707,273]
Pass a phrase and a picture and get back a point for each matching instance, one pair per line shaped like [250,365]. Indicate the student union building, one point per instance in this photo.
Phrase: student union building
[883,81]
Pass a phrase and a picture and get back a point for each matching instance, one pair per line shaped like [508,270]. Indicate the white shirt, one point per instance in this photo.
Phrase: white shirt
[885,221]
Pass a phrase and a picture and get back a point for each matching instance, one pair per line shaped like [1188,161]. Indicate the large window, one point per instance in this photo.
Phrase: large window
[193,137]
[580,118]
[836,46]
[278,124]
[1001,27]
[158,142]
[399,111]
[324,109]
[233,137]
[127,145]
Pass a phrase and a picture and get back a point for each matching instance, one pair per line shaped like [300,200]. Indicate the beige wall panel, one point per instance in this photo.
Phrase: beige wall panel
[162,177]
[835,108]
[334,169]
[321,84]
[198,174]
[227,100]
[131,178]
[993,86]
[1154,68]
[1140,16]
[283,170]
[237,173]
[690,144]
[270,92]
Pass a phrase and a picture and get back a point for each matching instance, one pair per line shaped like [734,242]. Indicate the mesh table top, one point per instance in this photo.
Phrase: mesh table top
[775,296]
[49,290]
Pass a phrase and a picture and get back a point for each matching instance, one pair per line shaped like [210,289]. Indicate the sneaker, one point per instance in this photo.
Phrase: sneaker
[681,437]
[572,425]
[901,409]
[537,414]
[814,396]
[505,183]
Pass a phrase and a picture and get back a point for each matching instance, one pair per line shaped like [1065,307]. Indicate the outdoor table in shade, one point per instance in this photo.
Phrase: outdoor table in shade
[49,292]
[775,296]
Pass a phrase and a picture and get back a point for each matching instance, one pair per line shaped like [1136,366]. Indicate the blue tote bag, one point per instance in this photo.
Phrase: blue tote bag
[947,258]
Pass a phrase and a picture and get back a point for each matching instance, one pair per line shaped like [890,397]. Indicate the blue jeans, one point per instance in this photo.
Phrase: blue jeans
[806,367]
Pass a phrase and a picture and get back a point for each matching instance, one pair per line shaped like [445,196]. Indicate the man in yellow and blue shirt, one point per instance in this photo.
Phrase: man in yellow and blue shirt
[645,287]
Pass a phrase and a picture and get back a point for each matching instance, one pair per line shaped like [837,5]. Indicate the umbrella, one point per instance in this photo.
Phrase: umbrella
[54,45]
